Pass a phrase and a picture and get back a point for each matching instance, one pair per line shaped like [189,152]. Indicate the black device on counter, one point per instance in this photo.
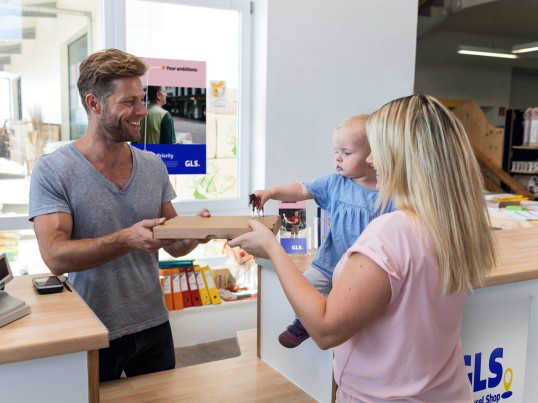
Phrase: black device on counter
[48,285]
[5,272]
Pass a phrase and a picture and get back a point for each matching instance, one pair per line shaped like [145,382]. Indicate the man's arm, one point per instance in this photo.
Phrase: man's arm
[62,254]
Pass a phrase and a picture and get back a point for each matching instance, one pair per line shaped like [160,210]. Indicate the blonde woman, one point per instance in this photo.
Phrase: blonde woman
[394,313]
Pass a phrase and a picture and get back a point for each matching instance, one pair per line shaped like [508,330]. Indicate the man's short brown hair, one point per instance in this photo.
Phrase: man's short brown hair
[99,69]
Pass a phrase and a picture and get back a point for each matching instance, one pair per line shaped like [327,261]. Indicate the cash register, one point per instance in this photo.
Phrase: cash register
[11,308]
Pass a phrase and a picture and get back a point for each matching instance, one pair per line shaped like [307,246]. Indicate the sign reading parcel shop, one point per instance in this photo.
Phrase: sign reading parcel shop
[184,82]
[494,340]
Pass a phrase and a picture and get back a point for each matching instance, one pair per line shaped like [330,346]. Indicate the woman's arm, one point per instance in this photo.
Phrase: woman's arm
[360,295]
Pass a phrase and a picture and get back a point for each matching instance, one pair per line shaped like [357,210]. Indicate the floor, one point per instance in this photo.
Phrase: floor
[207,352]
[242,379]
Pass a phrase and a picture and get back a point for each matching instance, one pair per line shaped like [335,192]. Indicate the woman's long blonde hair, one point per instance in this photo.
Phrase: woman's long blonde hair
[426,164]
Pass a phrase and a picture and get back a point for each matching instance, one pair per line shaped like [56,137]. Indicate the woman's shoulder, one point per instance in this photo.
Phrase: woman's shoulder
[394,221]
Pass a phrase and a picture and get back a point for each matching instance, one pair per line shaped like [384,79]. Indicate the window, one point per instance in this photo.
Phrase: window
[38,41]
[78,120]
[41,49]
[203,31]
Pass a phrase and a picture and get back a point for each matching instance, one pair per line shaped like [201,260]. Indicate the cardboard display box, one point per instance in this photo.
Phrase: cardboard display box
[223,227]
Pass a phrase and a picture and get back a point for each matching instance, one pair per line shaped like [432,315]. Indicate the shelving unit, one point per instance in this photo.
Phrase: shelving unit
[205,324]
[514,150]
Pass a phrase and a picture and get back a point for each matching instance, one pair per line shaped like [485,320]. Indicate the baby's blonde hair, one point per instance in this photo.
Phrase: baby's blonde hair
[426,164]
[355,120]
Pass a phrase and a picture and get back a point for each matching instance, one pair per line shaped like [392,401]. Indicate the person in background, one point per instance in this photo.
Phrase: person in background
[394,314]
[94,203]
[348,196]
[158,126]
[294,221]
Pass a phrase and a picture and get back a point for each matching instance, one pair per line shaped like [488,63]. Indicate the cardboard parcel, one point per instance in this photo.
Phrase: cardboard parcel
[219,227]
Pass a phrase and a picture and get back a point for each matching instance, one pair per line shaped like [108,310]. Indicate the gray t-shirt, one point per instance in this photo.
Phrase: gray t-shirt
[125,293]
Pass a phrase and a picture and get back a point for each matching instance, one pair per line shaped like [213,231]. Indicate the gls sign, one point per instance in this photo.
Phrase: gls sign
[294,245]
[490,377]
[495,356]
[192,164]
[180,159]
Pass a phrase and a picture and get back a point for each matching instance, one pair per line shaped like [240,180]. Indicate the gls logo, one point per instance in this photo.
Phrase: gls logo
[496,369]
[192,164]
[296,247]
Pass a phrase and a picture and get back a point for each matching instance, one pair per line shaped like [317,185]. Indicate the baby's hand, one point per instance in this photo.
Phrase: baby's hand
[263,195]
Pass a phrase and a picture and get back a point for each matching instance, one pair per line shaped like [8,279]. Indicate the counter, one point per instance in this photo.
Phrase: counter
[51,354]
[500,328]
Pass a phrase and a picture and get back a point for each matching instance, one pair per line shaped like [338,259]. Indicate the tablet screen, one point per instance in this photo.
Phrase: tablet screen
[5,271]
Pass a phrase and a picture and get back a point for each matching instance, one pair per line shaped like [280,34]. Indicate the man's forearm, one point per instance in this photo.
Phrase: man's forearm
[82,254]
[182,247]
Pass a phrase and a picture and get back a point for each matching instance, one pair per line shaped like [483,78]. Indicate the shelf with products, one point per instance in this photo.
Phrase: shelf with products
[525,147]
[520,158]
[524,172]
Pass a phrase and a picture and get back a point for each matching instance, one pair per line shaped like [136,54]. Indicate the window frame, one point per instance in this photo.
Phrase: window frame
[115,37]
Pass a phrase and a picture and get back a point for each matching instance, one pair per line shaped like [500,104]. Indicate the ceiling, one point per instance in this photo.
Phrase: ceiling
[495,24]
[508,18]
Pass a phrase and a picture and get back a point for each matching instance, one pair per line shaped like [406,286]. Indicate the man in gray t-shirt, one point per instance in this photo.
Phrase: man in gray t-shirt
[94,204]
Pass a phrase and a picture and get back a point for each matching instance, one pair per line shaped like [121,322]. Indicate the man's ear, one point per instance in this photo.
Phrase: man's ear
[93,103]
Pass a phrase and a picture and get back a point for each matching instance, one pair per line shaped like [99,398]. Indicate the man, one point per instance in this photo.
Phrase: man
[158,126]
[94,204]
[294,221]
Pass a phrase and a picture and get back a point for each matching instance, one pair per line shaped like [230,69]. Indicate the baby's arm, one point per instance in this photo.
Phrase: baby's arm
[289,193]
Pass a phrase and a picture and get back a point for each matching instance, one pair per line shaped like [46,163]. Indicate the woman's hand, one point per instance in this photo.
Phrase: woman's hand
[260,242]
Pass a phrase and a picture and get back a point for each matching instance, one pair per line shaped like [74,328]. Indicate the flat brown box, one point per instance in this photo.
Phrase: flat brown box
[221,227]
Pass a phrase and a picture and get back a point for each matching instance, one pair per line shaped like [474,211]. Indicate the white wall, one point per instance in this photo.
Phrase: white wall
[316,63]
[524,90]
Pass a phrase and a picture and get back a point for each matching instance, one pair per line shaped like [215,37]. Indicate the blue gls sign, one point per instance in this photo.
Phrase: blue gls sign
[179,159]
[492,378]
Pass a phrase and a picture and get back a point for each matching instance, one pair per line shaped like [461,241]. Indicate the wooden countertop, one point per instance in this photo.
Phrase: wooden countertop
[241,379]
[59,323]
[518,256]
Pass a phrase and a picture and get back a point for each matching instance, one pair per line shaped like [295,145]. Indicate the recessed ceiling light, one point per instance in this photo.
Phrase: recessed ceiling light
[525,47]
[488,52]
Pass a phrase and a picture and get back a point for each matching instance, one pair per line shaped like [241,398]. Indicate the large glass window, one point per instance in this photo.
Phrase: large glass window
[39,40]
[205,32]
[42,46]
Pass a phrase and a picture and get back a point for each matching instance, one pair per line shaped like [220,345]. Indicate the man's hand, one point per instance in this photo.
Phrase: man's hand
[141,236]
[181,247]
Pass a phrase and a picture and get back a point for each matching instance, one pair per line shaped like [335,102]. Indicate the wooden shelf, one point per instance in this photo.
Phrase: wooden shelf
[526,147]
